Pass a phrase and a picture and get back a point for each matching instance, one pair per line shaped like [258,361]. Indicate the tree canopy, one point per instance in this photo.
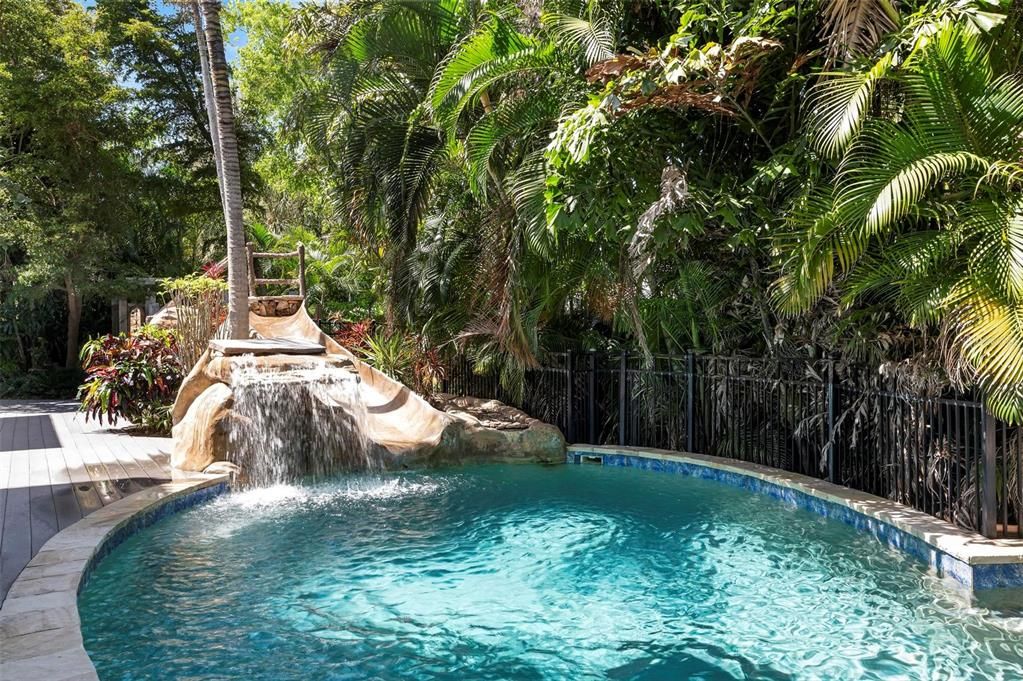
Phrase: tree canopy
[785,178]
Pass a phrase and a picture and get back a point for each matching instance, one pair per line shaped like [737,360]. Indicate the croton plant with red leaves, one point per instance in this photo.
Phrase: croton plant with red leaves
[133,377]
[352,335]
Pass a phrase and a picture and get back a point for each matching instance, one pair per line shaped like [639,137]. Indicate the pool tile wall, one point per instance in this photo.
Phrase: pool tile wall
[1001,567]
[141,521]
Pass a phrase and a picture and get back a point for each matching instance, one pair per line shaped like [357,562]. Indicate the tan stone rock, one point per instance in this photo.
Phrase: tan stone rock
[201,437]
[492,430]
[223,468]
[194,384]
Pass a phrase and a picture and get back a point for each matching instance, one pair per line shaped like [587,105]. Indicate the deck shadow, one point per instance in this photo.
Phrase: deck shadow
[19,433]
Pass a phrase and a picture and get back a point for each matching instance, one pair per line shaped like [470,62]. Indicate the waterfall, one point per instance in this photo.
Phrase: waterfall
[300,421]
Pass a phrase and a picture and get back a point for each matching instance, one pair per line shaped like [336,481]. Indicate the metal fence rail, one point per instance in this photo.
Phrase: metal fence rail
[944,455]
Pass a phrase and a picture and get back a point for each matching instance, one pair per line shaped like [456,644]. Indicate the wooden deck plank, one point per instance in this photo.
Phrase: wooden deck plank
[5,459]
[42,508]
[138,448]
[89,498]
[19,441]
[110,450]
[6,435]
[77,470]
[56,469]
[3,512]
[17,528]
[148,451]
[39,466]
[42,515]
[81,482]
[66,504]
[57,466]
[17,544]
[48,436]
[6,445]
[103,476]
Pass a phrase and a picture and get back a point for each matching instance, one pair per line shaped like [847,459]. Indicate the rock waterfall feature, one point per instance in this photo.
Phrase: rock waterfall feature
[278,417]
[315,415]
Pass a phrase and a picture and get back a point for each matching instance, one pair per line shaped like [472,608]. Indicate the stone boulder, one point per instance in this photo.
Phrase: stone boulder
[492,430]
[279,306]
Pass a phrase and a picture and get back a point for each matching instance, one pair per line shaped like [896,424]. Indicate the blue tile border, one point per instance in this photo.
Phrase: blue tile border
[978,577]
[143,519]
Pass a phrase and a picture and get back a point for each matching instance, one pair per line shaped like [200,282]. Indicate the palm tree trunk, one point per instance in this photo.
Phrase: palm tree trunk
[230,176]
[207,91]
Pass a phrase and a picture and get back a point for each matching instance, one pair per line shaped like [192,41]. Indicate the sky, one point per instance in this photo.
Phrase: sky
[234,41]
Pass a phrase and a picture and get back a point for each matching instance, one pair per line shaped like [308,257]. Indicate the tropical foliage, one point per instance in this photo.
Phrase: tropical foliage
[106,172]
[132,377]
[924,213]
[788,178]
[781,177]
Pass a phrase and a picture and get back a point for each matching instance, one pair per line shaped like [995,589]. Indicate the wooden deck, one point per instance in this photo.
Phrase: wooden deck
[56,469]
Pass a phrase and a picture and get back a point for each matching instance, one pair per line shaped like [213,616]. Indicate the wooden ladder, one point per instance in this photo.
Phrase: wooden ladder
[255,282]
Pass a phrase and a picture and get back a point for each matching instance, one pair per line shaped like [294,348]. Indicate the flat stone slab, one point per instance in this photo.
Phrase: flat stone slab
[267,346]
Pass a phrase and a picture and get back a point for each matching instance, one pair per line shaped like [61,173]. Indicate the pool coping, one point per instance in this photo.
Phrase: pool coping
[971,559]
[40,630]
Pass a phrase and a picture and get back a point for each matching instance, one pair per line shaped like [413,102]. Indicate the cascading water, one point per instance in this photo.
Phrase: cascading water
[304,420]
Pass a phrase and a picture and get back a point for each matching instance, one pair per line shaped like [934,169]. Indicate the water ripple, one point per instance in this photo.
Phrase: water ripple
[527,573]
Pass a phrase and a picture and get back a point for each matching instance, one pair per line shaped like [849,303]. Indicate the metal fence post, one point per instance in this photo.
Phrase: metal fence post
[989,495]
[833,462]
[591,399]
[569,397]
[690,394]
[622,377]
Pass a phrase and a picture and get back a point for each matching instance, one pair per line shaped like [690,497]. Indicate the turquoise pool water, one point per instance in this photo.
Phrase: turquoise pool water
[522,572]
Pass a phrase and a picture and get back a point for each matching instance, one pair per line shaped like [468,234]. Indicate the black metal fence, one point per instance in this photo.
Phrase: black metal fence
[944,455]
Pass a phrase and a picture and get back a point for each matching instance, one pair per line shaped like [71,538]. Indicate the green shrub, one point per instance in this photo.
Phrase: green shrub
[132,377]
[408,359]
[193,285]
[199,311]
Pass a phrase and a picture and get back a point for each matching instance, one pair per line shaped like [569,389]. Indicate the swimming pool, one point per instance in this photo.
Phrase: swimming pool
[526,572]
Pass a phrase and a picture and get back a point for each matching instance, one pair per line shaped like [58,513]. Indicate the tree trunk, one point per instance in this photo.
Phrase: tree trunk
[74,321]
[231,183]
[207,91]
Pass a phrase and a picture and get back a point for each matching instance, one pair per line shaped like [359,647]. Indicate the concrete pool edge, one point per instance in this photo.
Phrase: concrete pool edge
[974,561]
[40,630]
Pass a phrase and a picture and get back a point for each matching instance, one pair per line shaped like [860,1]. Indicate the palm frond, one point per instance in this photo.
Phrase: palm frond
[513,119]
[593,37]
[988,334]
[839,104]
[855,27]
[902,192]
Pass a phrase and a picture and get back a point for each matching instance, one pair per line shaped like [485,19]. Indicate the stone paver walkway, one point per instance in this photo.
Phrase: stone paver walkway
[55,469]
